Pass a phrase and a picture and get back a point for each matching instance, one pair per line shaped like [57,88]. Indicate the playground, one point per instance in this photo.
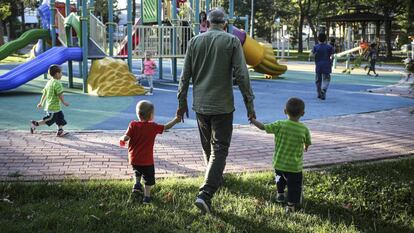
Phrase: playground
[81,182]
[114,113]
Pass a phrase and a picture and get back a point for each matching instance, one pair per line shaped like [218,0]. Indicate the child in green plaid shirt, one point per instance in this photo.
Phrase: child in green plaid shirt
[292,138]
[51,98]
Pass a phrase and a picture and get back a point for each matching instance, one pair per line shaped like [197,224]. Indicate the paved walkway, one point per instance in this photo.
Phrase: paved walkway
[96,155]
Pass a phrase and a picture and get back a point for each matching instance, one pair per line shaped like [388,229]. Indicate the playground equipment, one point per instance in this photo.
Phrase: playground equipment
[259,56]
[171,41]
[104,79]
[361,49]
[91,42]
[25,39]
[38,66]
[61,32]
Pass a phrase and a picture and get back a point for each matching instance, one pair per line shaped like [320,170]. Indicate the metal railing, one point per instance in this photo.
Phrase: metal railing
[97,32]
[60,28]
[121,36]
[160,41]
[213,4]
[189,10]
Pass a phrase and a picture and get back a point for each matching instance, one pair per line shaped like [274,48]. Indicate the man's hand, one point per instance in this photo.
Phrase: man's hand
[181,111]
[66,104]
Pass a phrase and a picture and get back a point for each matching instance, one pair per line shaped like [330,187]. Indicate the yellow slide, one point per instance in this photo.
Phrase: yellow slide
[261,57]
[111,77]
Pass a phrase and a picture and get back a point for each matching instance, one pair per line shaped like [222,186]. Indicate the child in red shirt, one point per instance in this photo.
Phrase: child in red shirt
[141,136]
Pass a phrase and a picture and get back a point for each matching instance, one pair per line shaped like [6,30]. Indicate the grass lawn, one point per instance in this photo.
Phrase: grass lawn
[376,197]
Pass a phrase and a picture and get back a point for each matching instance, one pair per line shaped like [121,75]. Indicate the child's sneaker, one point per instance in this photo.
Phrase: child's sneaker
[61,133]
[149,93]
[146,200]
[33,125]
[137,188]
[290,209]
[280,198]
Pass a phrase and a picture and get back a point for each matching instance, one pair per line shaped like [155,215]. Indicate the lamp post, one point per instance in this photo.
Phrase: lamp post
[252,21]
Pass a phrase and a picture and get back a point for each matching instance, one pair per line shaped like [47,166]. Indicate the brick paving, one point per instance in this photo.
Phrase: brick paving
[96,154]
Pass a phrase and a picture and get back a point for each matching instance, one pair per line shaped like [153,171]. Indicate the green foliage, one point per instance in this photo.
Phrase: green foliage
[351,198]
[4,10]
[101,9]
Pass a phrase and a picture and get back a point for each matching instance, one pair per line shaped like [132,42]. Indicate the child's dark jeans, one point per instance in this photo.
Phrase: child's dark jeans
[146,172]
[293,181]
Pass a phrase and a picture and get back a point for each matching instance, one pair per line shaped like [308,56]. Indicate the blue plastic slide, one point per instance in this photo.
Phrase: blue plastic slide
[38,66]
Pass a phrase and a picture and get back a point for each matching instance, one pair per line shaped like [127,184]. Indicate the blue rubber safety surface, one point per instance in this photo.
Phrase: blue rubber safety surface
[346,95]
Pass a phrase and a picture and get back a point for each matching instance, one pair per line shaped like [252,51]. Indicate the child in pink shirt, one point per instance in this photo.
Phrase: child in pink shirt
[148,69]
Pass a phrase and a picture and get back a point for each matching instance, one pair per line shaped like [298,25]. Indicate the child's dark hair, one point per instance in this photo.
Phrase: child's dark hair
[54,69]
[144,109]
[322,37]
[203,16]
[295,107]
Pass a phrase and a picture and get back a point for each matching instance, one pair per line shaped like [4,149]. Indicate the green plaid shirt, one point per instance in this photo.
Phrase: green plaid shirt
[52,91]
[290,139]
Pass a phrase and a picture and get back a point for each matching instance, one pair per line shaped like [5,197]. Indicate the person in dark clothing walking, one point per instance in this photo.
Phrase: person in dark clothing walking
[323,69]
[213,58]
[372,58]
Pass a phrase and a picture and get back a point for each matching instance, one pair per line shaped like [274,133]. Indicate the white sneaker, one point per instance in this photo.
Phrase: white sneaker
[149,93]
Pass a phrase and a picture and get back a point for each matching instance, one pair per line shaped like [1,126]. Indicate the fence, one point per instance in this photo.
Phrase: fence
[60,28]
[159,40]
[97,32]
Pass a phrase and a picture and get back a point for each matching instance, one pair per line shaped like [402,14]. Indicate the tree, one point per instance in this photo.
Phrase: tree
[11,19]
[101,9]
[390,9]
[410,17]
[266,11]
[4,13]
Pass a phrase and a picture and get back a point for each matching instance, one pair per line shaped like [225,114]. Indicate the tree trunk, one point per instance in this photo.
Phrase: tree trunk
[1,33]
[388,38]
[314,32]
[11,30]
[300,31]
[410,28]
[23,25]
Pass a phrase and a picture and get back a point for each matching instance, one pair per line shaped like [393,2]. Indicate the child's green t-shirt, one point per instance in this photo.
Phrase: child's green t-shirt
[290,138]
[52,91]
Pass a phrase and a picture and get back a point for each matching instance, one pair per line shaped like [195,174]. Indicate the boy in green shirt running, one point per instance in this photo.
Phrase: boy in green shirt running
[291,138]
[52,96]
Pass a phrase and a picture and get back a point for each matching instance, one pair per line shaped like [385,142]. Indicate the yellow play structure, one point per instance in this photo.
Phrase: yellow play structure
[260,56]
[111,77]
